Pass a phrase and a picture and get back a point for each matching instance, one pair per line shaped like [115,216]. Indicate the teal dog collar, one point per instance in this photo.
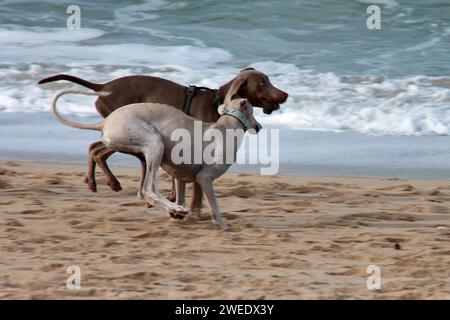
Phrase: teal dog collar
[237,114]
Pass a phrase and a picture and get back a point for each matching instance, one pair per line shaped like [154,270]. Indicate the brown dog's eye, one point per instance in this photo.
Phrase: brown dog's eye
[261,84]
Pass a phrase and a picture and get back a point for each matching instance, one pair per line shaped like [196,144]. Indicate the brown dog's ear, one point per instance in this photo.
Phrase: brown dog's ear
[246,69]
[234,89]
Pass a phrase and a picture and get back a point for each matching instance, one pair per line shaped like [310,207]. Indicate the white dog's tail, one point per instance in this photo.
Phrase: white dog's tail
[96,126]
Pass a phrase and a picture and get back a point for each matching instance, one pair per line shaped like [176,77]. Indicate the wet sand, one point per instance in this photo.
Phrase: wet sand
[289,238]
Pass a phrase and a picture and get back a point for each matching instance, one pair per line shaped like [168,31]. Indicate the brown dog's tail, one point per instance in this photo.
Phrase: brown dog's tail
[84,83]
[96,126]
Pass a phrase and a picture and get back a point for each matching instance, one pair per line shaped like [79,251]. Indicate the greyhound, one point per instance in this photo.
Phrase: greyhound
[146,129]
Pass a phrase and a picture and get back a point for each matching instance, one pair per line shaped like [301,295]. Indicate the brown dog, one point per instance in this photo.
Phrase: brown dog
[254,86]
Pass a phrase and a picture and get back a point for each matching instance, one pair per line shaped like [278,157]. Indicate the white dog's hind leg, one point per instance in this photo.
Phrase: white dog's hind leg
[140,193]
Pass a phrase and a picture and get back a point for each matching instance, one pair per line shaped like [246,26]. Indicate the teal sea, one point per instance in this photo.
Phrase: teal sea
[391,84]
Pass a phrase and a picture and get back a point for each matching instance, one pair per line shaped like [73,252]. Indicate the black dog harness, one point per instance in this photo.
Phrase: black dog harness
[192,90]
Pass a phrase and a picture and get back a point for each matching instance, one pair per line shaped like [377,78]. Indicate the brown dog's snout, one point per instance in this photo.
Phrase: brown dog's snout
[282,96]
[258,127]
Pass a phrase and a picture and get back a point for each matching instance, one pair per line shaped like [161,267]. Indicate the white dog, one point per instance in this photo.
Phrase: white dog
[145,130]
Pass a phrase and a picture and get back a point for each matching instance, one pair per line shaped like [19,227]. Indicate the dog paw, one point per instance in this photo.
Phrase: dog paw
[175,215]
[177,212]
[181,209]
[114,185]
[92,186]
[221,225]
[197,213]
[171,197]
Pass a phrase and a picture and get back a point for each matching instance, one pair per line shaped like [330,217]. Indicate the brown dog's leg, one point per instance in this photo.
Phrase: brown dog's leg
[172,196]
[98,154]
[90,176]
[103,155]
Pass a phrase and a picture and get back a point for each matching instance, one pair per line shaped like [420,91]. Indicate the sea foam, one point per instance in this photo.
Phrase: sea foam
[323,101]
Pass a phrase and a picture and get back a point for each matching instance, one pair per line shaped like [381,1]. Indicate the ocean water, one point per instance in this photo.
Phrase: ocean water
[361,102]
[340,75]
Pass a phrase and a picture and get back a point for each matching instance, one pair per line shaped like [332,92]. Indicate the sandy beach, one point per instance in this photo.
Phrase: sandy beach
[290,237]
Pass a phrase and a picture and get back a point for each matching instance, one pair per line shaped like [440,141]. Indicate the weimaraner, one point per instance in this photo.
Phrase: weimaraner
[146,129]
[255,87]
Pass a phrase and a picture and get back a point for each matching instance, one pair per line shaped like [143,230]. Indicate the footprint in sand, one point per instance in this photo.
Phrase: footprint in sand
[53,267]
[132,204]
[240,192]
[348,272]
[54,181]
[31,211]
[438,209]
[14,223]
[4,184]
[435,192]
[400,187]
[141,276]
[12,164]
[244,175]
[360,202]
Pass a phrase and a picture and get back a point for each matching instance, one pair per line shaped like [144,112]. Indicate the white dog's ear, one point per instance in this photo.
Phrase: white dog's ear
[242,103]
[234,89]
[221,109]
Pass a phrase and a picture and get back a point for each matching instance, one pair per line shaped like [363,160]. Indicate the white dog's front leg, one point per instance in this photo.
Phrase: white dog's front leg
[207,187]
[153,150]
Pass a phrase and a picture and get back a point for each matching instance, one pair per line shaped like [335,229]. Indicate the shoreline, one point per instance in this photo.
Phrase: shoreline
[38,137]
[117,166]
[289,238]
